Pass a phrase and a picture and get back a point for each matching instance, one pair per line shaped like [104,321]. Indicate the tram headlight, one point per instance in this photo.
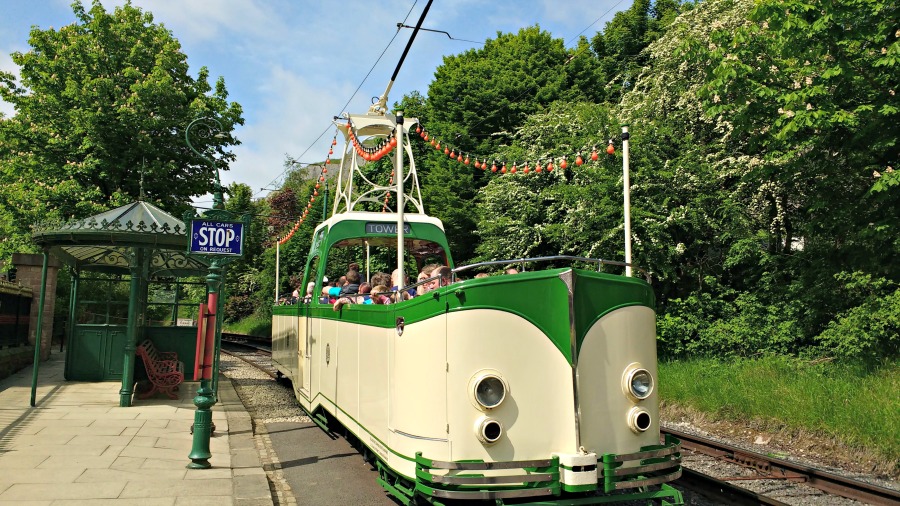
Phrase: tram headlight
[489,390]
[637,382]
[488,430]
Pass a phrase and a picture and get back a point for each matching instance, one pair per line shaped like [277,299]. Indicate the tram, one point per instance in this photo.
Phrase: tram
[535,387]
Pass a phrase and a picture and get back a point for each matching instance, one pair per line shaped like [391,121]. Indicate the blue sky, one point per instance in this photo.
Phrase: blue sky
[293,65]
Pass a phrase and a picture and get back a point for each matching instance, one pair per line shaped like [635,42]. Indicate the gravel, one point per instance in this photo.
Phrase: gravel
[270,401]
[267,401]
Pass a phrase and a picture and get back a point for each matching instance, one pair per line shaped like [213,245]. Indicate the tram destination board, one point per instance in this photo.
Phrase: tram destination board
[216,237]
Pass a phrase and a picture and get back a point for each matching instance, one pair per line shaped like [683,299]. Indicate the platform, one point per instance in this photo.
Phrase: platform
[77,446]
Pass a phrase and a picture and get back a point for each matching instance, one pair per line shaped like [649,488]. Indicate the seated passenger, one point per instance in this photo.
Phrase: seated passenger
[512,270]
[423,275]
[444,277]
[381,278]
[397,285]
[381,295]
[351,287]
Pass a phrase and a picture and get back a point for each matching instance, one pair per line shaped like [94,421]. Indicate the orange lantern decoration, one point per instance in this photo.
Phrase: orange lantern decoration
[563,164]
[610,150]
[550,166]
[466,161]
[594,155]
[578,160]
[537,168]
[494,167]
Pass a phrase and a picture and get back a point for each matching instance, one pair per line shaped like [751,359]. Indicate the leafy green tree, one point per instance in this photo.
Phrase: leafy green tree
[101,101]
[620,46]
[812,90]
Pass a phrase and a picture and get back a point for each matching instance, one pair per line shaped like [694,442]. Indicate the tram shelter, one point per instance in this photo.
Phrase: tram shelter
[143,247]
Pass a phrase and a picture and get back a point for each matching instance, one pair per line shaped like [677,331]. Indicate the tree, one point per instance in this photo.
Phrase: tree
[620,46]
[812,87]
[101,102]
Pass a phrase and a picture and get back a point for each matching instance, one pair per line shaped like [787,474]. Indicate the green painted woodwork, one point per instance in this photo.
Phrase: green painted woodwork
[95,353]
[539,297]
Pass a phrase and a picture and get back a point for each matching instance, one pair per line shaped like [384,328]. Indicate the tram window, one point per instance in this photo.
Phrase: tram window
[379,254]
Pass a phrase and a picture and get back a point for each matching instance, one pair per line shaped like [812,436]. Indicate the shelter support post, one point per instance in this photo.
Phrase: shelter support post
[131,333]
[73,307]
[39,330]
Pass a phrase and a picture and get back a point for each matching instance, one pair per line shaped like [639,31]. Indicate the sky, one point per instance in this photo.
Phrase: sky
[295,64]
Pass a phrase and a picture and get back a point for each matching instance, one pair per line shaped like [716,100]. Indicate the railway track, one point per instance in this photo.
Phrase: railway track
[773,468]
[251,350]
[257,353]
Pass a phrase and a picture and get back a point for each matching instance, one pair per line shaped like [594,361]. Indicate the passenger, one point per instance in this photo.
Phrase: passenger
[512,270]
[364,297]
[423,275]
[381,295]
[444,277]
[350,287]
[381,278]
[309,291]
[396,285]
[481,275]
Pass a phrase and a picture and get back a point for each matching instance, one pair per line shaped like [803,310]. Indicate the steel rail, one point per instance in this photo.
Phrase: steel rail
[721,491]
[775,468]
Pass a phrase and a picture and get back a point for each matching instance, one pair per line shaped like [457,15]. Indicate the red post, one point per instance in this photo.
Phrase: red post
[201,341]
[212,303]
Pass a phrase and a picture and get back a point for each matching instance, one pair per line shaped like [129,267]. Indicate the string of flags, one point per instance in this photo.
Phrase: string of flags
[312,198]
[386,145]
[515,167]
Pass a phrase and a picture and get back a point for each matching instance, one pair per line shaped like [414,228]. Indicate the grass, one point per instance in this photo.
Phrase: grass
[856,404]
[251,326]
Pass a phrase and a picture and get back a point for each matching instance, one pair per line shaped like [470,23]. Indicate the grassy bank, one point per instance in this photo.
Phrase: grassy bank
[856,404]
[252,326]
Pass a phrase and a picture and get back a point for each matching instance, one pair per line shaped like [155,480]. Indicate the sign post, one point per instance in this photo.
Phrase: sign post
[220,238]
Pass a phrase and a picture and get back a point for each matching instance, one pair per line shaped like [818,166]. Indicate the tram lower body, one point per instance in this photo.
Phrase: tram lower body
[469,395]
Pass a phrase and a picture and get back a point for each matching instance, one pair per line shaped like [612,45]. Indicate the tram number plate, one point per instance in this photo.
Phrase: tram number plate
[213,237]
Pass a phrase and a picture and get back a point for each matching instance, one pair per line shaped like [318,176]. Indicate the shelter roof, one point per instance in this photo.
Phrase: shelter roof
[103,242]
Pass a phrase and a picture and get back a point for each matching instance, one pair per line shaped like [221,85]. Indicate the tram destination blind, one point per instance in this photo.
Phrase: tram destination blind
[213,237]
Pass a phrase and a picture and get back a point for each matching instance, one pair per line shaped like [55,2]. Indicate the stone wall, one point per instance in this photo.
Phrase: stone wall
[29,274]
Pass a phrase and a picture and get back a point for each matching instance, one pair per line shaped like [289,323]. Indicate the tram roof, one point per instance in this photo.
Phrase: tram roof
[368,216]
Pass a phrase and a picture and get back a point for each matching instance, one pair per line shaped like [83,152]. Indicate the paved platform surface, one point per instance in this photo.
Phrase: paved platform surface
[77,446]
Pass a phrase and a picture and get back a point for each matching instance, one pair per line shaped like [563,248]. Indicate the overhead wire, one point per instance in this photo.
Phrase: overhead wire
[390,43]
[369,73]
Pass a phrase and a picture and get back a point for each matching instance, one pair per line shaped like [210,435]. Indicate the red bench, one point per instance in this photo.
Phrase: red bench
[164,370]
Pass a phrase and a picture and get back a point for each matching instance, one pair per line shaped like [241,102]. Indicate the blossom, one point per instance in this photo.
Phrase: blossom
[876,174]
[808,80]
[808,107]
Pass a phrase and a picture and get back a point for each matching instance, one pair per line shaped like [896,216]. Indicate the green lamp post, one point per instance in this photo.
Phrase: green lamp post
[209,365]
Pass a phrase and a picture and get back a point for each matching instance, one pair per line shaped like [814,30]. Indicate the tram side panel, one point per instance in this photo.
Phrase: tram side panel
[373,353]
[284,342]
[347,375]
[418,389]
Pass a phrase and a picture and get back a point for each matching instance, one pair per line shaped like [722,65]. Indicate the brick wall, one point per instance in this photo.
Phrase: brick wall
[29,274]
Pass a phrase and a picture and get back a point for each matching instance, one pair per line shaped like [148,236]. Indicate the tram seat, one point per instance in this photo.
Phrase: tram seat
[164,370]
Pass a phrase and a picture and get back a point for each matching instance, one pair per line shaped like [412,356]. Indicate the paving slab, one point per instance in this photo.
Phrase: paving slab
[79,447]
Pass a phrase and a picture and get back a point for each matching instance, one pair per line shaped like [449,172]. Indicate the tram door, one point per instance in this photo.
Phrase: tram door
[303,331]
[418,377]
